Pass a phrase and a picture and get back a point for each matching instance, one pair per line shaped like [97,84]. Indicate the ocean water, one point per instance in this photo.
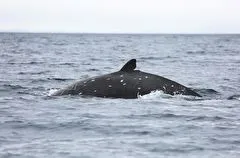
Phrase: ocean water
[34,124]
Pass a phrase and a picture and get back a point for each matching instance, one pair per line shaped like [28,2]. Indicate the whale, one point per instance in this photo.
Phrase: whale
[126,83]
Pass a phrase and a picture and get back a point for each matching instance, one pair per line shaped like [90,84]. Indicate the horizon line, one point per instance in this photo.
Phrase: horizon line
[130,33]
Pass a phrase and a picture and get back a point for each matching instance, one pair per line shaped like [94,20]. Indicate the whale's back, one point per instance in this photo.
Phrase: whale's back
[123,84]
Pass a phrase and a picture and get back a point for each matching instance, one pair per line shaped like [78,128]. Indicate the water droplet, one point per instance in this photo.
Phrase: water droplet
[110,86]
[121,81]
[124,84]
[139,78]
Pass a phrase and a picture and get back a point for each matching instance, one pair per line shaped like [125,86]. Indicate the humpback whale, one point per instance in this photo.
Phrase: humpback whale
[126,83]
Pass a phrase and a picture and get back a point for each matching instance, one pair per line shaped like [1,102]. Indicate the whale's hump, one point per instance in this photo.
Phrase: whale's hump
[129,66]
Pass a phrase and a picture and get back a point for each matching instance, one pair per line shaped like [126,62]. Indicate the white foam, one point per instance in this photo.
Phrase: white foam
[52,91]
[160,94]
[153,95]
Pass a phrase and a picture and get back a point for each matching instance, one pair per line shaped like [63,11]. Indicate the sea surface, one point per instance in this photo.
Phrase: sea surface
[35,124]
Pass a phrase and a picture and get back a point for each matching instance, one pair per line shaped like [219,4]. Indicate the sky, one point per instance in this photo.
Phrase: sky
[120,16]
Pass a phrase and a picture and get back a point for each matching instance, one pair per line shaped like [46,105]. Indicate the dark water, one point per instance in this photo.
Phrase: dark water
[32,124]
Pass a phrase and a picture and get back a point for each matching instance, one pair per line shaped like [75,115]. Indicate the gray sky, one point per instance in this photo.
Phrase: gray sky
[121,16]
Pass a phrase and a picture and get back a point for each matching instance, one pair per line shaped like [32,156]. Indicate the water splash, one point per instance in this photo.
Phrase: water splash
[51,91]
[154,95]
[160,94]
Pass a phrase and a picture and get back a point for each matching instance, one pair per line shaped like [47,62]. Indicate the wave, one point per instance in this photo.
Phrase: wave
[196,52]
[68,64]
[169,115]
[234,97]
[63,125]
[40,80]
[159,116]
[209,118]
[26,63]
[33,73]
[93,70]
[60,79]
[155,58]
[207,93]
[13,87]
[20,124]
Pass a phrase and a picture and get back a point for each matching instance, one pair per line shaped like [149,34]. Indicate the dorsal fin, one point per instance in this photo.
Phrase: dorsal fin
[129,66]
